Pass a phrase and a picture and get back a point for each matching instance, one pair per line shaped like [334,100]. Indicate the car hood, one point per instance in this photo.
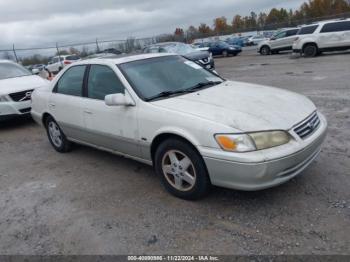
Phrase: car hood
[199,55]
[243,106]
[18,84]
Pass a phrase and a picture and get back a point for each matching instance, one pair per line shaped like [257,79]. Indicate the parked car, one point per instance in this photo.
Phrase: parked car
[280,41]
[36,69]
[112,51]
[203,58]
[256,39]
[200,47]
[16,87]
[194,127]
[57,63]
[245,40]
[224,49]
[322,37]
[235,41]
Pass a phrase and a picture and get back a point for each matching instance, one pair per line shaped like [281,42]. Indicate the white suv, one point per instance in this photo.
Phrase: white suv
[323,36]
[280,41]
[57,63]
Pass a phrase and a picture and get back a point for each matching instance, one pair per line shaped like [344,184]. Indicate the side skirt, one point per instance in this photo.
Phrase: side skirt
[145,161]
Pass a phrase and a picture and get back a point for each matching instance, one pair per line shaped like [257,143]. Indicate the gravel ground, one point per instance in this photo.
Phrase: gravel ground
[92,202]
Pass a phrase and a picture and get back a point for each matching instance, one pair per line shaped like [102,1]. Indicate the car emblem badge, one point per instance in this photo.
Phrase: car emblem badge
[311,126]
[27,95]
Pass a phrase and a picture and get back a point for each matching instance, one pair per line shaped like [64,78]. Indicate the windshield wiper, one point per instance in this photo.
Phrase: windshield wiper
[182,91]
[164,94]
[202,85]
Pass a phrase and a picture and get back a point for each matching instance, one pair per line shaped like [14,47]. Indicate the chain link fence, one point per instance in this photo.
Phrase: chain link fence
[40,54]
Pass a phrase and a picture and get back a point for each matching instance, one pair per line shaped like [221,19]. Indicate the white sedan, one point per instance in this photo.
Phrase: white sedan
[16,87]
[196,128]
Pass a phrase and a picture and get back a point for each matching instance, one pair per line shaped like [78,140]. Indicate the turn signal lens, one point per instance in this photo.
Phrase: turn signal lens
[226,143]
[235,143]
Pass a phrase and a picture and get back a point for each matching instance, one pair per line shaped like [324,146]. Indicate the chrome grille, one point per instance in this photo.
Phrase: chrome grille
[21,96]
[308,126]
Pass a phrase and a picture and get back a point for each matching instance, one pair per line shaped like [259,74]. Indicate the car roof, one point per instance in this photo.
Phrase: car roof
[123,59]
[326,22]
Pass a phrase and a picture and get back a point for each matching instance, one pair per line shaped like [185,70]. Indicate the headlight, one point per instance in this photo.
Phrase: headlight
[264,140]
[3,99]
[252,141]
[232,48]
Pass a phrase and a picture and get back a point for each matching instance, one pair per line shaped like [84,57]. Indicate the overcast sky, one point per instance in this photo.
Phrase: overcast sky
[29,23]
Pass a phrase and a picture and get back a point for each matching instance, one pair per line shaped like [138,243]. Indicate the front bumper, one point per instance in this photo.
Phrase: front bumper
[13,109]
[251,176]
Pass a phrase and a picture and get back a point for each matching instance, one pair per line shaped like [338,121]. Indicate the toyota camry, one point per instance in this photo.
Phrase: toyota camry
[196,128]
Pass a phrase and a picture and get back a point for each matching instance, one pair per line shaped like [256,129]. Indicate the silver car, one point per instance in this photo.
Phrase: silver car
[196,128]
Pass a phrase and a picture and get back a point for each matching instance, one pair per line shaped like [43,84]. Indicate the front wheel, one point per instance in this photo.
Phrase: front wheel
[310,50]
[182,170]
[56,137]
[265,50]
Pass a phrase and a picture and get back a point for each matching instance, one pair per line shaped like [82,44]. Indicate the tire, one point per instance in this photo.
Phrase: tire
[265,50]
[224,53]
[56,136]
[181,169]
[310,50]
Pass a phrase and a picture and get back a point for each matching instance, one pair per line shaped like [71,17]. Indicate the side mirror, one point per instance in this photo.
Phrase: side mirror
[119,100]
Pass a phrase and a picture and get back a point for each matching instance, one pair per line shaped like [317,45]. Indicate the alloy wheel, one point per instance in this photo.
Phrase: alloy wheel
[55,134]
[179,170]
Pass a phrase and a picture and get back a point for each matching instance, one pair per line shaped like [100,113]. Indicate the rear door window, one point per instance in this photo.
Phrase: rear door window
[71,83]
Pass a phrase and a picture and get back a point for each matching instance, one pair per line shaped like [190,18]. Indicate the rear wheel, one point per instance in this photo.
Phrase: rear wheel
[181,169]
[310,50]
[265,50]
[56,137]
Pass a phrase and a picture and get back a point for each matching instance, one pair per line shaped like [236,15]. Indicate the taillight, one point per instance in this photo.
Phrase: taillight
[66,62]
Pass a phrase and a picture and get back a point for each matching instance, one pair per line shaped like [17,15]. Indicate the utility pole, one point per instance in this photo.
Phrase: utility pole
[97,46]
[59,55]
[14,52]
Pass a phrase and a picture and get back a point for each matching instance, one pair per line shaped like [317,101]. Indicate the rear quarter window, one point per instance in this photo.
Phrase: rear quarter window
[336,27]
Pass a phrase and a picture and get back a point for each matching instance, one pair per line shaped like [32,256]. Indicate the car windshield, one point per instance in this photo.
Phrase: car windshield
[181,49]
[167,75]
[9,70]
